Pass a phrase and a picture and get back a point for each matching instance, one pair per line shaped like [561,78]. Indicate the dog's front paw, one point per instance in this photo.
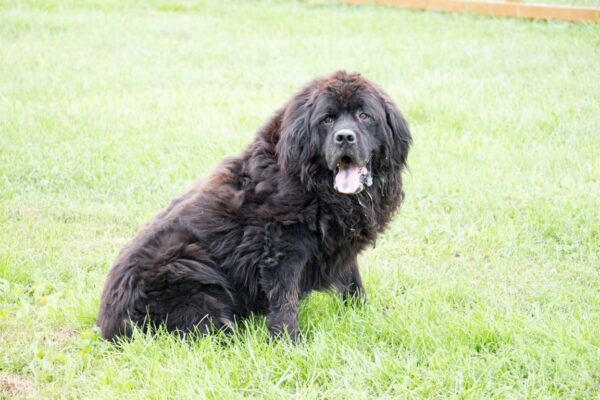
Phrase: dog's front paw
[285,332]
[284,326]
[355,295]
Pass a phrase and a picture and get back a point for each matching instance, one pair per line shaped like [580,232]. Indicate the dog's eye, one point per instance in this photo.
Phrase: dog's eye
[328,119]
[364,116]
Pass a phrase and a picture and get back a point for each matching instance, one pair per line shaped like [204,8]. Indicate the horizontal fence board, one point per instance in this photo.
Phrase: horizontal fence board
[517,9]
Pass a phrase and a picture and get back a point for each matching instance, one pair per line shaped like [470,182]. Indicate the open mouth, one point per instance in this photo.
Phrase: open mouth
[351,178]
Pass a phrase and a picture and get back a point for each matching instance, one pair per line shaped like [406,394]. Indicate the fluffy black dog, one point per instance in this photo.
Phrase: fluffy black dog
[321,179]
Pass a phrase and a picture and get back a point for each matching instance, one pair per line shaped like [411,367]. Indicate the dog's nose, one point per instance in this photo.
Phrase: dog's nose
[345,136]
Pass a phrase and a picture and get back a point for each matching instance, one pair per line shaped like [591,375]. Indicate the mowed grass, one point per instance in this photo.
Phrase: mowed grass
[486,285]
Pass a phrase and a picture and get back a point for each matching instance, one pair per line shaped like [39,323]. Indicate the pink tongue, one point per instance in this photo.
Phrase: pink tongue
[347,180]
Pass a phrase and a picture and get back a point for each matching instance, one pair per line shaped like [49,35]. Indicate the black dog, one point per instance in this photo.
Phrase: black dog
[321,179]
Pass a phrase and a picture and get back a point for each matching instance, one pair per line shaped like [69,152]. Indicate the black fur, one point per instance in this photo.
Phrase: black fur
[267,227]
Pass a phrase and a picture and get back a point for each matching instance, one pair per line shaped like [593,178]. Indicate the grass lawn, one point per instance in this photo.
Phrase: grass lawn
[486,285]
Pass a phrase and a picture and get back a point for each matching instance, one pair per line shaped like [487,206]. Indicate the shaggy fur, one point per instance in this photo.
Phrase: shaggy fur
[266,228]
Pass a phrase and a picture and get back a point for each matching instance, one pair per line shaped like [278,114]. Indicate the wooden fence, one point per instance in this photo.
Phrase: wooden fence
[509,8]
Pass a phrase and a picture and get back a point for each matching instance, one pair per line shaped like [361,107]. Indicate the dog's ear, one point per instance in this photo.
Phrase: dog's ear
[296,144]
[397,139]
[397,133]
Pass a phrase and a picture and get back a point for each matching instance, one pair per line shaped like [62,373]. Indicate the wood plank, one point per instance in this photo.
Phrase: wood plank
[515,9]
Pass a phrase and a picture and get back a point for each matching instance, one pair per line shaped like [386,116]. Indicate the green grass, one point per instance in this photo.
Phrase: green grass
[486,285]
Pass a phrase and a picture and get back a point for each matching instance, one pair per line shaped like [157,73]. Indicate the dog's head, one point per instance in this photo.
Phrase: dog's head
[345,124]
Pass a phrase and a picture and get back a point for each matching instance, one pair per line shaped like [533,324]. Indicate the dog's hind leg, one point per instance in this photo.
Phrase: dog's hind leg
[188,296]
[179,288]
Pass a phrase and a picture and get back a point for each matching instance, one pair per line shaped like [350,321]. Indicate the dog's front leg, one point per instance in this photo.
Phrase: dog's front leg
[282,317]
[280,279]
[351,287]
[289,250]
